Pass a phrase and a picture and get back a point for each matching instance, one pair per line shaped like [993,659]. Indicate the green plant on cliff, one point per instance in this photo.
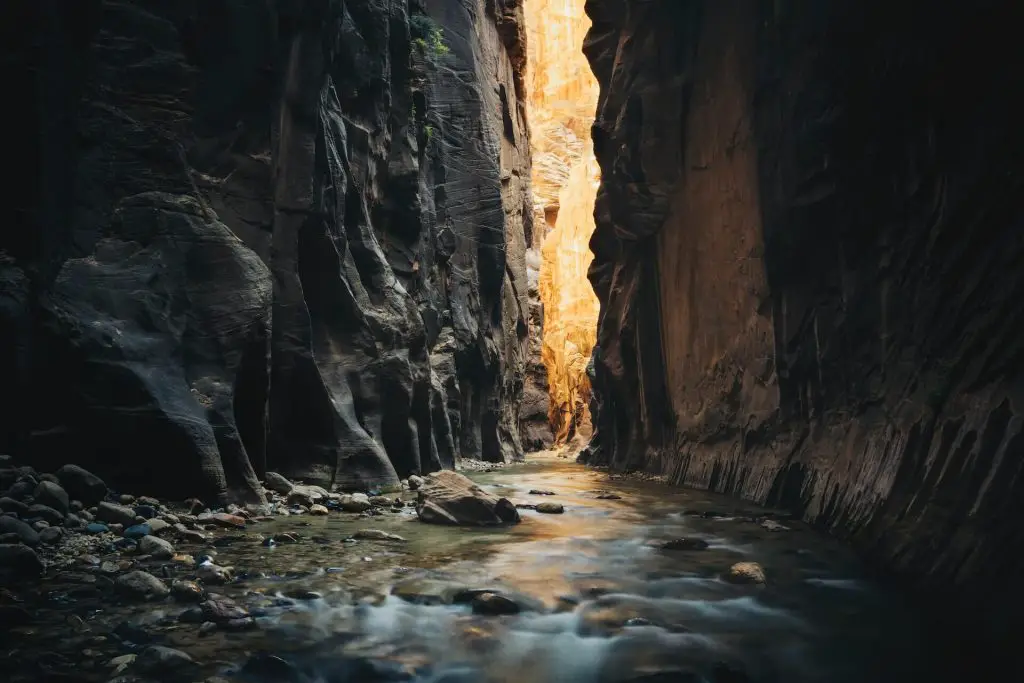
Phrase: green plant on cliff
[428,36]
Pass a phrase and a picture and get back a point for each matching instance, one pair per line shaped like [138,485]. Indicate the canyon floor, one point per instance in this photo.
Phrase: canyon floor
[630,583]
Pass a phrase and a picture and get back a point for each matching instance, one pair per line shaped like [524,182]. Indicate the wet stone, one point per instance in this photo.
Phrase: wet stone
[748,573]
[541,492]
[685,544]
[157,548]
[376,535]
[317,509]
[220,609]
[494,604]
[550,508]
[96,528]
[137,531]
[142,586]
[145,511]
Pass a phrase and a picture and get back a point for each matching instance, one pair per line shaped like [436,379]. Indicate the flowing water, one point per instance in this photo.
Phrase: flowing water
[603,602]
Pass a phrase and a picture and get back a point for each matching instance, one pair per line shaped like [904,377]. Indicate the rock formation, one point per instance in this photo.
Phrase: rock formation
[284,235]
[807,255]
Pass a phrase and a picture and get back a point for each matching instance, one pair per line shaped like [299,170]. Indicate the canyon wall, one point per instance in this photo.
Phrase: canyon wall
[808,248]
[282,235]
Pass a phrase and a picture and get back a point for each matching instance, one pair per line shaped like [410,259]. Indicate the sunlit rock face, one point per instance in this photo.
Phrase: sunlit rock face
[807,255]
[562,94]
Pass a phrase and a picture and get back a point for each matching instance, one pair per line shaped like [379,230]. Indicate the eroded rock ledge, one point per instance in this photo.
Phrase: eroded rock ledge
[807,248]
[275,235]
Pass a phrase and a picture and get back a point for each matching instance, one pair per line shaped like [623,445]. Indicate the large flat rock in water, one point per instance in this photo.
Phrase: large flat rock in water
[447,497]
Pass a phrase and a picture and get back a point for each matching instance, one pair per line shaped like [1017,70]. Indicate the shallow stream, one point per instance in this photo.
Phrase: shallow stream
[601,601]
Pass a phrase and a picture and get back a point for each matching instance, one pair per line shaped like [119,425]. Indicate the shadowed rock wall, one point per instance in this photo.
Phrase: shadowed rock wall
[807,253]
[284,235]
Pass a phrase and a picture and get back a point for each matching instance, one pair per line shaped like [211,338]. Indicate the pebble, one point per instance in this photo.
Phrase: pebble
[96,528]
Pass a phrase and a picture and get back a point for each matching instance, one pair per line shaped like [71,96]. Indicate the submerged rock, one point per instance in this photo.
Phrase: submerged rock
[376,535]
[745,573]
[447,497]
[685,544]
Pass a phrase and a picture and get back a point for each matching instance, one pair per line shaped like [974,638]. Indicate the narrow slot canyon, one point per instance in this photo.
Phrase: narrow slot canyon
[560,341]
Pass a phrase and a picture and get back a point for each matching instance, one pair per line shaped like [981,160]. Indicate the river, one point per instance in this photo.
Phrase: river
[601,601]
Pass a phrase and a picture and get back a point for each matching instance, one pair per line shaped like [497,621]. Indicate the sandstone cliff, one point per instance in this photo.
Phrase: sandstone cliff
[283,235]
[808,255]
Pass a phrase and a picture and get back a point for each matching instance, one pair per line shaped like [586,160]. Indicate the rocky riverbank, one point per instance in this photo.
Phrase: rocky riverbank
[604,580]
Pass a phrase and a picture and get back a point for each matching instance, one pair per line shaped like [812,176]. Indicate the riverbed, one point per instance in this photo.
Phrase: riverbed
[598,598]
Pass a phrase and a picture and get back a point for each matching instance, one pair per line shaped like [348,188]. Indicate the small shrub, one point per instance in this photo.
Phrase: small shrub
[428,36]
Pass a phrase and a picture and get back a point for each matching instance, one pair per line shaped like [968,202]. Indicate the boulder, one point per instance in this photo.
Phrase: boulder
[81,484]
[52,495]
[25,533]
[447,497]
[277,483]
[112,513]
[17,560]
[45,513]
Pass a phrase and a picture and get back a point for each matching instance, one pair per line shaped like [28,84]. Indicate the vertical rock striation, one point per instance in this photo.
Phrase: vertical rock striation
[806,253]
[289,236]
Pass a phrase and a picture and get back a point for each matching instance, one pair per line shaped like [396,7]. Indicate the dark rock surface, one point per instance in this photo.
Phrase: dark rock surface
[834,236]
[534,424]
[290,236]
